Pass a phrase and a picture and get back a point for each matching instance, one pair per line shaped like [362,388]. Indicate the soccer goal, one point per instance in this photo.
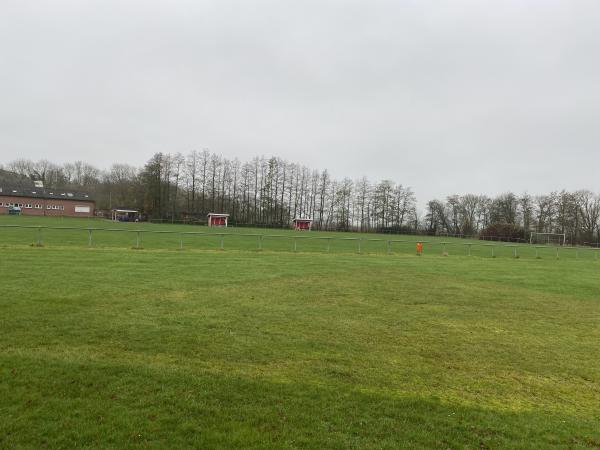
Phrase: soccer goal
[547,238]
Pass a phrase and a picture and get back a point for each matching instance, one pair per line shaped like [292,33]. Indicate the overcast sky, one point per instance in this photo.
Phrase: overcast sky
[444,96]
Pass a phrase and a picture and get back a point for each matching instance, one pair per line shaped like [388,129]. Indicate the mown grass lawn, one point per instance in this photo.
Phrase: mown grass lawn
[103,233]
[118,348]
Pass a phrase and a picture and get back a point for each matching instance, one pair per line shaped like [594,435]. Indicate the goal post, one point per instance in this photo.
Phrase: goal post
[557,239]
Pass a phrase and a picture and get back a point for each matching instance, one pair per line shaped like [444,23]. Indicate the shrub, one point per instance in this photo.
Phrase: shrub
[507,232]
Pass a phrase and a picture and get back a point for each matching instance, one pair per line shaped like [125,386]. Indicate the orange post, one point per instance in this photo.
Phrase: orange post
[419,248]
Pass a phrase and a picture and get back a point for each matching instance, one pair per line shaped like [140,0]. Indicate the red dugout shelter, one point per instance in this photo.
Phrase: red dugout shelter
[302,224]
[217,220]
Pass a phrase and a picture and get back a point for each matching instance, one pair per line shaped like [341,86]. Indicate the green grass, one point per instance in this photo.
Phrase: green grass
[116,348]
[193,237]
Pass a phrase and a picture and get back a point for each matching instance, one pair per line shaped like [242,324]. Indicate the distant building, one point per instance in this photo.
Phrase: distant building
[217,220]
[302,224]
[46,202]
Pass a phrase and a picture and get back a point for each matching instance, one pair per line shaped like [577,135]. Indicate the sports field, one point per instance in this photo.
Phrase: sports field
[102,233]
[110,347]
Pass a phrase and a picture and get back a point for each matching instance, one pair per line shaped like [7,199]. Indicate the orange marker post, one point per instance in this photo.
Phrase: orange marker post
[419,248]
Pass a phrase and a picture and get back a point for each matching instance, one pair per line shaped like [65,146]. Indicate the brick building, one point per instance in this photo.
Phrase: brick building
[46,202]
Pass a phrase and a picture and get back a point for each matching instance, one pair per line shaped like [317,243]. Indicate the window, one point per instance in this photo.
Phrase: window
[1,204]
[61,207]
[82,209]
[48,207]
[28,206]
[38,206]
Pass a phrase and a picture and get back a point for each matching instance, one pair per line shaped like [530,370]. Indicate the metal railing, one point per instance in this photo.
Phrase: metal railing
[352,244]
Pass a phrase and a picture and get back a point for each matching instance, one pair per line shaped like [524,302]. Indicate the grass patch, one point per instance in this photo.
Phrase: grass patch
[105,347]
[74,232]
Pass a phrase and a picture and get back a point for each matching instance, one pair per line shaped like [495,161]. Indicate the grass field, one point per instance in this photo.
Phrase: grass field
[107,347]
[193,237]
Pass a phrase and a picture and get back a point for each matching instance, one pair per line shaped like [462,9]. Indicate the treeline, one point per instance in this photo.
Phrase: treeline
[270,192]
[512,217]
[264,191]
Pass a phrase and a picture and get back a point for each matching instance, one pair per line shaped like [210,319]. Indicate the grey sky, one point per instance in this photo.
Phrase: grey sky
[444,96]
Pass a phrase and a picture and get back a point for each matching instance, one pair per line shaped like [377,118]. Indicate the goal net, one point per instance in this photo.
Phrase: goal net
[547,238]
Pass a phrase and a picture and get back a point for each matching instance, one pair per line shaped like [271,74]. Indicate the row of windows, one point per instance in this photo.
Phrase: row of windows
[20,205]
[31,206]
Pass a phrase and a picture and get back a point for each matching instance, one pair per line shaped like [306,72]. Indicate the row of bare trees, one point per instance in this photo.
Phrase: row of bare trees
[575,214]
[272,191]
[262,191]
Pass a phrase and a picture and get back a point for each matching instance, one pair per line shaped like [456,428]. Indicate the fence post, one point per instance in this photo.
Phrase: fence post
[493,252]
[328,244]
[90,237]
[556,252]
[180,241]
[222,242]
[137,242]
[359,245]
[389,247]
[516,252]
[260,238]
[469,245]
[295,244]
[39,237]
